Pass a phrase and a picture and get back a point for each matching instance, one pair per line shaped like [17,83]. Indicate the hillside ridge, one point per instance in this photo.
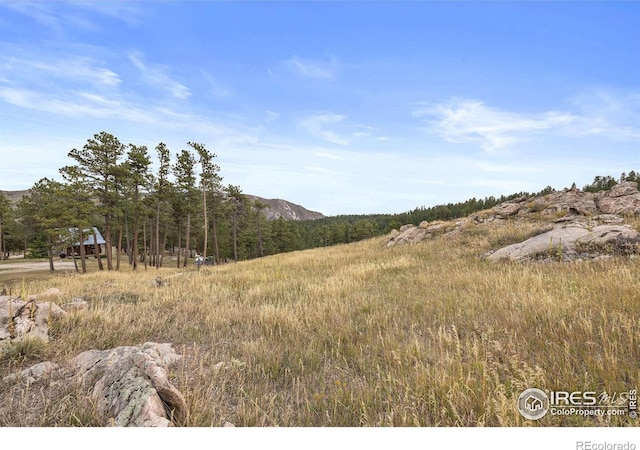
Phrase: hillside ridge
[275,208]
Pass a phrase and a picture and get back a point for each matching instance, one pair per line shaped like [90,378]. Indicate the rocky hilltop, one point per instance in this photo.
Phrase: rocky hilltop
[15,196]
[621,199]
[577,225]
[277,208]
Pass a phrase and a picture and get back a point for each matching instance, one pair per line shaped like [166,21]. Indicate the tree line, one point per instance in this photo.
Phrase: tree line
[181,209]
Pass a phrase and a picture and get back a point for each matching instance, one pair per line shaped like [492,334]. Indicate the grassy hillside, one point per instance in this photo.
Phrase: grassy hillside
[358,335]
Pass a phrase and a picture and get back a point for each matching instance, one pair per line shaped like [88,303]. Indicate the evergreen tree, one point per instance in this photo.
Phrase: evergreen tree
[184,171]
[238,207]
[45,204]
[99,167]
[5,218]
[210,182]
[162,195]
[138,182]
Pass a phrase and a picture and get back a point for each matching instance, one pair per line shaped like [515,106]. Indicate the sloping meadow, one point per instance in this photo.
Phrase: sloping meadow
[429,334]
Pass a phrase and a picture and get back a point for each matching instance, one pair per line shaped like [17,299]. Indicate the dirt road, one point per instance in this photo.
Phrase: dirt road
[35,266]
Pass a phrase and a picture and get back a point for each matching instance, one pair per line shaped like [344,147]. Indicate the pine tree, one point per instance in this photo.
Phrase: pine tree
[210,182]
[138,183]
[99,167]
[184,171]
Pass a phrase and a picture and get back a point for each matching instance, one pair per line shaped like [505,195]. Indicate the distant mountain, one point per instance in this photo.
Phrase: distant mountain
[15,196]
[277,208]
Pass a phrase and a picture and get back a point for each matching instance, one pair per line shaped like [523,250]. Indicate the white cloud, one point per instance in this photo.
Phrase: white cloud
[75,104]
[59,16]
[614,114]
[335,128]
[127,12]
[271,115]
[465,120]
[472,121]
[315,69]
[328,155]
[65,68]
[318,125]
[156,75]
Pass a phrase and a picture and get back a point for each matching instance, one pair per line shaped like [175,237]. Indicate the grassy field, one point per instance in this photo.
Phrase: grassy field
[358,335]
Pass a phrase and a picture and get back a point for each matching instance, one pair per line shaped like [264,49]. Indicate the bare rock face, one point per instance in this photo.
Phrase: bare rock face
[622,189]
[572,201]
[131,385]
[610,239]
[571,241]
[623,198]
[506,209]
[410,234]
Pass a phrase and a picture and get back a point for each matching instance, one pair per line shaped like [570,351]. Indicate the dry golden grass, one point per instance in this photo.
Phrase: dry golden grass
[364,335]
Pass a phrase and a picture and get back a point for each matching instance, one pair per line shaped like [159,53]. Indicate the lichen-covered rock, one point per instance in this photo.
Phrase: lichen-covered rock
[610,239]
[131,385]
[506,209]
[573,240]
[33,373]
[26,319]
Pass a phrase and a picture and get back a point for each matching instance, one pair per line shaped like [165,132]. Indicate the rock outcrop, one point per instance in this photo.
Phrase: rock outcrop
[622,199]
[583,225]
[33,373]
[20,319]
[573,240]
[410,234]
[131,386]
[128,386]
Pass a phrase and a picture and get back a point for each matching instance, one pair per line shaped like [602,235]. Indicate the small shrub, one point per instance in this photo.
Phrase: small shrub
[25,349]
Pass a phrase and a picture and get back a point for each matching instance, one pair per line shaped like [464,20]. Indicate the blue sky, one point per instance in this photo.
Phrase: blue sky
[342,107]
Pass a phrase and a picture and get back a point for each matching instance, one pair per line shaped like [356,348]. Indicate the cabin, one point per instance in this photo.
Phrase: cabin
[88,242]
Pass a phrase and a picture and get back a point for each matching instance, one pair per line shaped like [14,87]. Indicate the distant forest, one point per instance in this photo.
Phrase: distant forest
[184,209]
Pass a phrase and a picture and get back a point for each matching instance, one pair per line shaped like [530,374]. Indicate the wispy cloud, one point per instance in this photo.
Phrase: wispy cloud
[319,126]
[127,12]
[47,14]
[67,68]
[464,120]
[216,88]
[472,121]
[156,75]
[611,113]
[58,16]
[75,104]
[313,68]
[328,155]
[272,115]
[334,128]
